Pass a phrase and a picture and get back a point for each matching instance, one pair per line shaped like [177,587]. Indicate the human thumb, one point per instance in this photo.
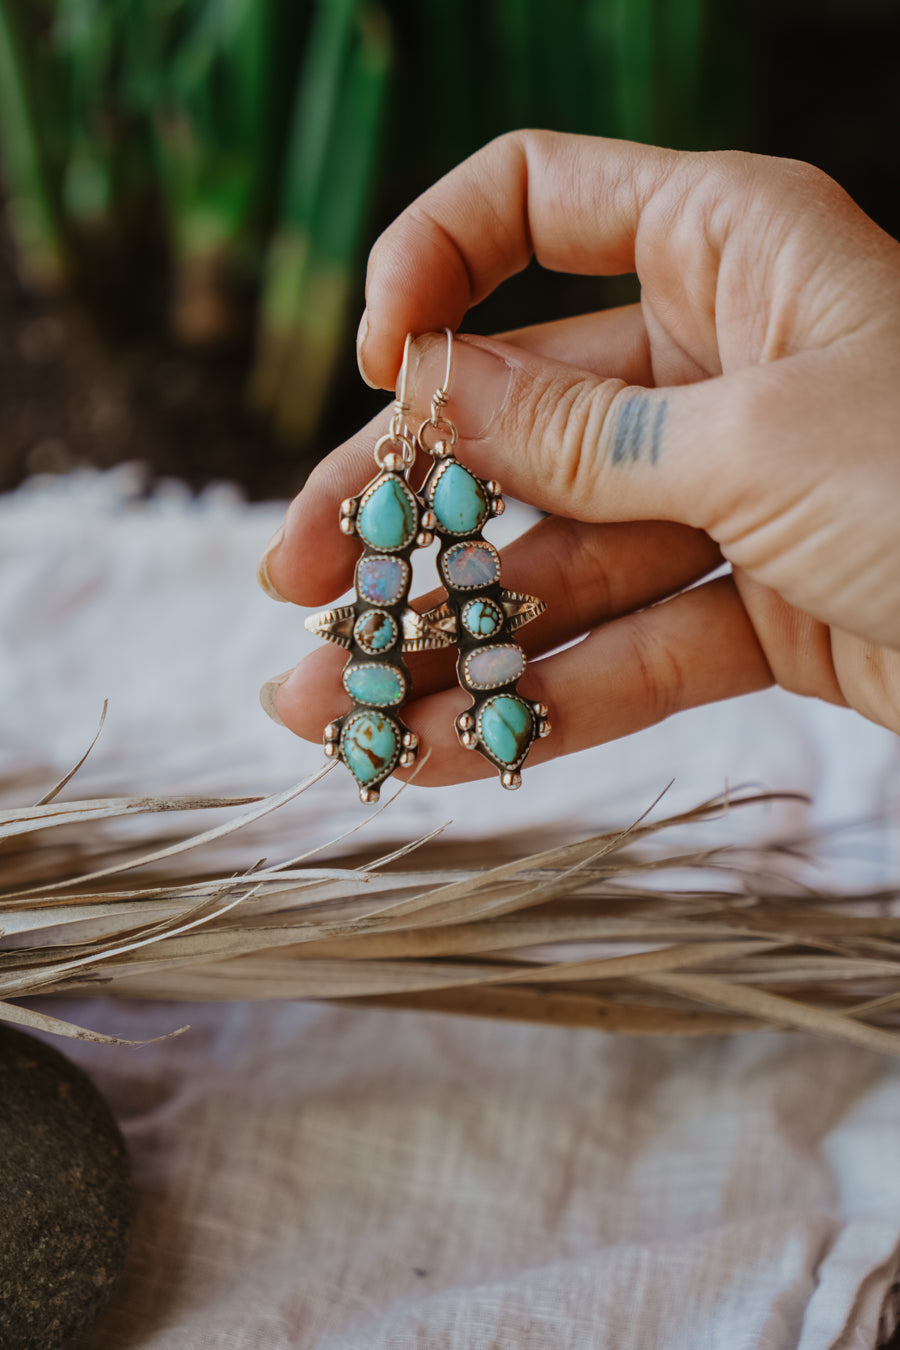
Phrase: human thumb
[582,446]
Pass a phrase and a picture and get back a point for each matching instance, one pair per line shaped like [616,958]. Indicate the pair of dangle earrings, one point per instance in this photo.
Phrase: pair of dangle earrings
[391,520]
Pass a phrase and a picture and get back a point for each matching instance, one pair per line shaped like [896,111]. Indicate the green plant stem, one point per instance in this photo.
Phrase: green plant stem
[330,169]
[32,206]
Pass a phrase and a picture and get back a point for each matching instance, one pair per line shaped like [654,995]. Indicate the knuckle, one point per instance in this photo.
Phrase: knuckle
[657,673]
[568,416]
[808,180]
[579,573]
[868,678]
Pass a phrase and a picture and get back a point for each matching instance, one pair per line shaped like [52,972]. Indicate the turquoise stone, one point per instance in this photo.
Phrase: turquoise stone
[387,518]
[378,685]
[370,744]
[459,501]
[481,618]
[375,631]
[471,566]
[489,667]
[382,581]
[506,727]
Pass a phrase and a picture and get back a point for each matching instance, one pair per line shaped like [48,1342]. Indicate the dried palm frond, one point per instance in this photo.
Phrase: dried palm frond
[590,933]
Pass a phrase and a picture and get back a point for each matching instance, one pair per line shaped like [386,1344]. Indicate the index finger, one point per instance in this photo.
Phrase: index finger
[572,202]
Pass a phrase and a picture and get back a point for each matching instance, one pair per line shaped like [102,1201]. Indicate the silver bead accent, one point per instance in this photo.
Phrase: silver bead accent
[333,731]
[347,525]
[348,506]
[393,461]
[410,740]
[407,757]
[543,728]
[424,538]
[428,521]
[331,749]
[541,710]
[498,506]
[442,449]
[494,488]
[469,739]
[465,721]
[368,795]
[511,780]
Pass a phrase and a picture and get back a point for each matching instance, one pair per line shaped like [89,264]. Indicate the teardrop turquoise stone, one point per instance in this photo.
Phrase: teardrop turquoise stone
[459,501]
[370,743]
[506,727]
[379,685]
[388,518]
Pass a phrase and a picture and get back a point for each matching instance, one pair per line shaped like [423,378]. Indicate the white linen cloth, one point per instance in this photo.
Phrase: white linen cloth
[350,1179]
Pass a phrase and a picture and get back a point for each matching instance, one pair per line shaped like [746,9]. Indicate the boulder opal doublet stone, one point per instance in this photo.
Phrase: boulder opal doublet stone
[382,686]
[370,744]
[381,581]
[470,566]
[458,500]
[491,667]
[387,517]
[506,727]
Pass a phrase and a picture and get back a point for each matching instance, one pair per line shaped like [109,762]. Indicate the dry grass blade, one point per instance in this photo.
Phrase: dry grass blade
[38,1021]
[587,933]
[67,778]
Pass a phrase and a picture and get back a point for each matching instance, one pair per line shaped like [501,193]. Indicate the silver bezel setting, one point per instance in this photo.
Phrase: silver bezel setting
[368,647]
[353,666]
[488,604]
[354,717]
[504,764]
[387,557]
[375,486]
[480,544]
[479,652]
[438,472]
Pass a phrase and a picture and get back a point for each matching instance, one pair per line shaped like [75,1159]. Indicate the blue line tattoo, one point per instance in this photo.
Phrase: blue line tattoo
[639,429]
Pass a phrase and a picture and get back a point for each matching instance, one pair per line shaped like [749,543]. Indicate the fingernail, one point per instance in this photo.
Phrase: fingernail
[269,690]
[262,568]
[361,335]
[479,381]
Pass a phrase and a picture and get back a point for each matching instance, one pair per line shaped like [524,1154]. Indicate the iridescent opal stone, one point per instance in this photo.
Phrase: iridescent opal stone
[380,685]
[370,744]
[459,501]
[382,581]
[489,667]
[375,631]
[481,618]
[387,517]
[470,566]
[506,724]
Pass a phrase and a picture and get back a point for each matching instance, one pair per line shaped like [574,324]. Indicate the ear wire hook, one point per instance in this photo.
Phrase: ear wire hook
[439,401]
[441,426]
[401,403]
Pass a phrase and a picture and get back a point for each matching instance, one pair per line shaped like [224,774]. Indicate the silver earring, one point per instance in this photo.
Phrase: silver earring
[479,615]
[390,521]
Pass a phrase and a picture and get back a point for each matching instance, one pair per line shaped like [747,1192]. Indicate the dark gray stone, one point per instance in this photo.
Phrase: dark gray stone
[65,1196]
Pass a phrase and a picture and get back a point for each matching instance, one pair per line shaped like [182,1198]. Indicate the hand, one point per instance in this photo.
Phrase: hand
[747,409]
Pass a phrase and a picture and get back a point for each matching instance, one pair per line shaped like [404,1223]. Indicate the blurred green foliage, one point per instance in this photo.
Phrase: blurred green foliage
[253,146]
